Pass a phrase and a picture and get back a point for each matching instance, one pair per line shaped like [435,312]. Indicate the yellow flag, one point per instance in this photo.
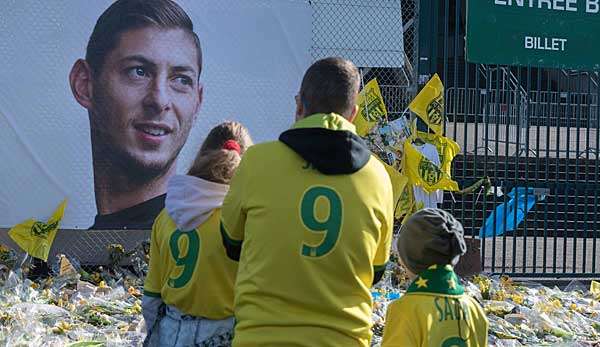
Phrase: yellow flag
[406,202]
[402,191]
[595,288]
[370,108]
[447,149]
[65,266]
[422,172]
[36,237]
[395,178]
[429,105]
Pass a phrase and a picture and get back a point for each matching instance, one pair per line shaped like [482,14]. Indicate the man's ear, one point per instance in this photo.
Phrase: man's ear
[200,95]
[200,99]
[299,108]
[80,79]
[353,114]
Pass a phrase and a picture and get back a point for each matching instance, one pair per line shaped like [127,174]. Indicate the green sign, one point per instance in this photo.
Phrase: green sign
[545,33]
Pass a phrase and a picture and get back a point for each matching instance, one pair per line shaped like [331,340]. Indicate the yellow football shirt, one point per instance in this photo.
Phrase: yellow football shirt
[190,269]
[435,312]
[311,243]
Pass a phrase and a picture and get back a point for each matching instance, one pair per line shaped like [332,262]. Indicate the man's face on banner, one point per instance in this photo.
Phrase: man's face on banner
[145,99]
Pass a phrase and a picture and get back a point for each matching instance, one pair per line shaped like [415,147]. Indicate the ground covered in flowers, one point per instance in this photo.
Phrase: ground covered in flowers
[520,314]
[101,307]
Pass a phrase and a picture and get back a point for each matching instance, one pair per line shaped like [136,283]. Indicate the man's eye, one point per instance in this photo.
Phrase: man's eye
[185,80]
[137,72]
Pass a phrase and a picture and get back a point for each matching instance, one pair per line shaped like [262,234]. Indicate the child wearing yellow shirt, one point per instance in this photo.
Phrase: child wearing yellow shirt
[435,311]
[188,293]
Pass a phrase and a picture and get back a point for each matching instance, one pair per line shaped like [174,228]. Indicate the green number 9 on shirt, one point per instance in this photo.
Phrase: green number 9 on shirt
[454,342]
[184,257]
[330,225]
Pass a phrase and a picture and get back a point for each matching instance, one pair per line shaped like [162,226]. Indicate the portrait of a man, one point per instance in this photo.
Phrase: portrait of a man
[140,84]
[103,101]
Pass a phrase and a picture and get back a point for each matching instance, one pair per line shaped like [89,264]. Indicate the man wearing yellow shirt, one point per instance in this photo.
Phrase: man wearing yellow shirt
[310,219]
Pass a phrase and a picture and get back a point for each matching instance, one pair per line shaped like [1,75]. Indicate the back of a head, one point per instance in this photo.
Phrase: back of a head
[125,15]
[330,85]
[430,236]
[218,157]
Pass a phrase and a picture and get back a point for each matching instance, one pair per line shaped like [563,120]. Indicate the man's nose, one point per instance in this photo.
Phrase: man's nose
[158,98]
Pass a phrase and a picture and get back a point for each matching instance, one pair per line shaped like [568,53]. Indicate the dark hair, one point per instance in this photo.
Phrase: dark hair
[125,15]
[330,85]
[213,162]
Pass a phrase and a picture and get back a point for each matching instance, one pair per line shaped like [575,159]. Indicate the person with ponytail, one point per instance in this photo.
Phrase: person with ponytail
[188,292]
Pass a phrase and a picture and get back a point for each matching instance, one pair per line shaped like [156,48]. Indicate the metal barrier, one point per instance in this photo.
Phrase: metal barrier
[530,128]
[496,108]
[516,121]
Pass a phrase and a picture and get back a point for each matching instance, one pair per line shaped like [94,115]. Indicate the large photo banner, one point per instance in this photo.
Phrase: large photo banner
[103,120]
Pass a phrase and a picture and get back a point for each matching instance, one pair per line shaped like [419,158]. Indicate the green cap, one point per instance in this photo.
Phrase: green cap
[431,236]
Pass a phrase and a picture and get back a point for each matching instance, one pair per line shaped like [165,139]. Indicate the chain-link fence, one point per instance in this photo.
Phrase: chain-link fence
[380,36]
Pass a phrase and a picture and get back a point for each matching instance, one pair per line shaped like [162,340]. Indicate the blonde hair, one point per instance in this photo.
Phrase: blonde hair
[213,162]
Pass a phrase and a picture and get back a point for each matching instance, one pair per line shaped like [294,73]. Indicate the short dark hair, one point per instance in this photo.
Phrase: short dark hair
[125,15]
[330,85]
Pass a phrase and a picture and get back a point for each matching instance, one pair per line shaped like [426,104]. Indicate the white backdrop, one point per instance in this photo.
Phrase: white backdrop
[255,53]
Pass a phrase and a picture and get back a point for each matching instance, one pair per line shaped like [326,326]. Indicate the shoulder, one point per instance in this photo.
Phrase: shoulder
[256,155]
[213,220]
[267,154]
[162,218]
[474,306]
[376,174]
[376,166]
[163,224]
[401,303]
[264,147]
[399,310]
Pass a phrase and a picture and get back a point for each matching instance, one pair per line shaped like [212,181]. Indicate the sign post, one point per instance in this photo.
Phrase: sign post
[561,34]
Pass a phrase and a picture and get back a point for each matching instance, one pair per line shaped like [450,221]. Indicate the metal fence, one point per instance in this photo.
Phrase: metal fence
[368,32]
[521,126]
[530,128]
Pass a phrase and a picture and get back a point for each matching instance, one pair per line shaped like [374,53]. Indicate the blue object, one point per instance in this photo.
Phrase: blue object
[524,198]
[389,296]
[393,296]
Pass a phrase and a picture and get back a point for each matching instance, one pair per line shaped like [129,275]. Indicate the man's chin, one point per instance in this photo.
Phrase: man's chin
[137,165]
[143,169]
[151,169]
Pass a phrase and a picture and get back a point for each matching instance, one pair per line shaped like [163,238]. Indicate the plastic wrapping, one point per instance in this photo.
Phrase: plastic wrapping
[61,309]
[522,314]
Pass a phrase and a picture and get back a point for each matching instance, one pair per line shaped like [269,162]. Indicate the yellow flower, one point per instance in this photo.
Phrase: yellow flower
[505,281]
[556,303]
[499,295]
[136,308]
[95,277]
[517,299]
[61,327]
[133,291]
